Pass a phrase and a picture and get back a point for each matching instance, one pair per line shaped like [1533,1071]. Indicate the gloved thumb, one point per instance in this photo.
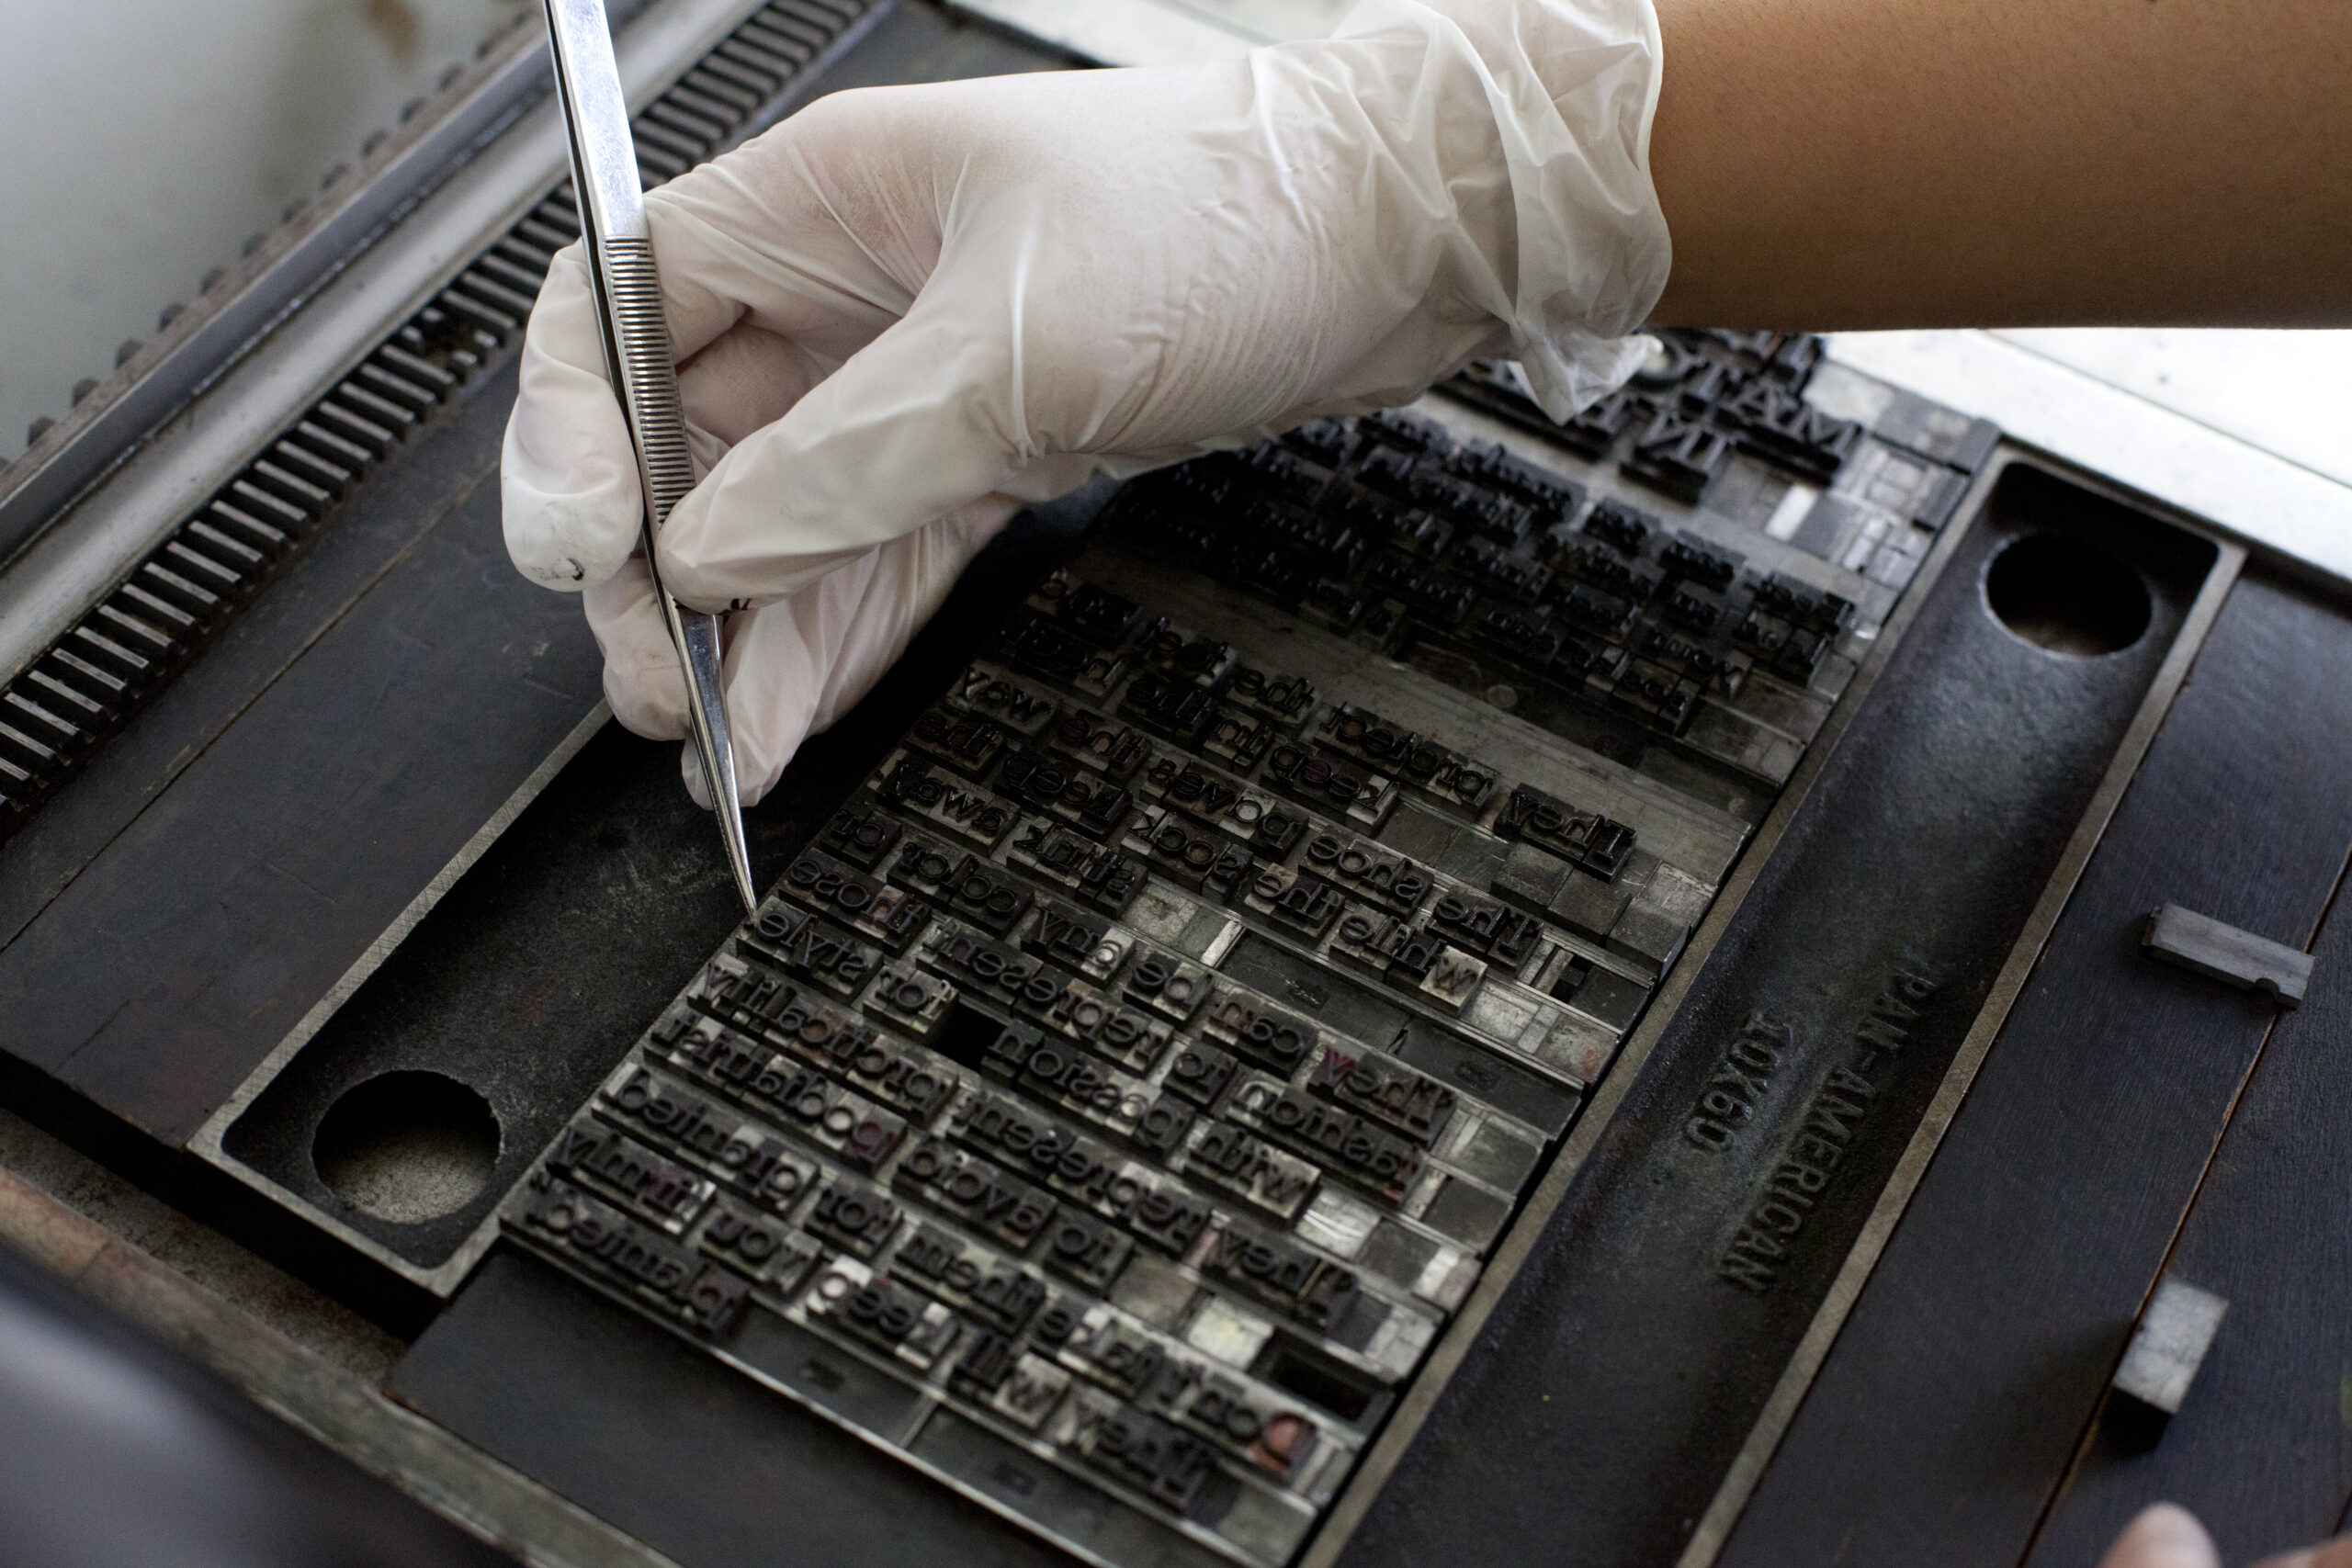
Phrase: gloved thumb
[2162,1536]
[926,418]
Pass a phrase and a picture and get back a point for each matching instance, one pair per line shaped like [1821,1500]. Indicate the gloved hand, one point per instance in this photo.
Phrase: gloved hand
[905,301]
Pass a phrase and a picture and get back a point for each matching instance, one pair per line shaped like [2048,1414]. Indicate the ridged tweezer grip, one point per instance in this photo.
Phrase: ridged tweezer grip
[651,385]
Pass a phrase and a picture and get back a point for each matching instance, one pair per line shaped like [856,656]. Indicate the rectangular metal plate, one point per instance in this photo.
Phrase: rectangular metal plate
[1396,934]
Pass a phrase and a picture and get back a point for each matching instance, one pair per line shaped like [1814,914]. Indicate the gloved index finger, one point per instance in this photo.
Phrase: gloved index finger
[748,237]
[918,423]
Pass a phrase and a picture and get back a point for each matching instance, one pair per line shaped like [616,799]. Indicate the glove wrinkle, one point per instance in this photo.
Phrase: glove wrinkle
[904,298]
[796,668]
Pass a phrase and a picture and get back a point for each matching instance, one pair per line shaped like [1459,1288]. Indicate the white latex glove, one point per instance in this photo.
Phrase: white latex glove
[905,299]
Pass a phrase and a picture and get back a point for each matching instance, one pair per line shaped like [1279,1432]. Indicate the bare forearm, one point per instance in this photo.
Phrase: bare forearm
[1834,164]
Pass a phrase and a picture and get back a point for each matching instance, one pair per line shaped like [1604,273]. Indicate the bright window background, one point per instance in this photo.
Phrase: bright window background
[143,140]
[2288,392]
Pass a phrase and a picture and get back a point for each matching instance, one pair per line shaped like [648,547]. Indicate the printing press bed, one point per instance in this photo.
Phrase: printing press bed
[1449,987]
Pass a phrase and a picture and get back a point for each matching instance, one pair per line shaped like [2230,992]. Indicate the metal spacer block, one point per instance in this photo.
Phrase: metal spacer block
[2223,952]
[2175,1332]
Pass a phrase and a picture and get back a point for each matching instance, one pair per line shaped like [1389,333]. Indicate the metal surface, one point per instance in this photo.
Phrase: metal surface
[1695,827]
[343,1412]
[1755,1454]
[2275,509]
[679,1451]
[1675,824]
[373,624]
[500,1050]
[436,1274]
[2259,1453]
[387,694]
[459,986]
[2058,1193]
[1387,1276]
[635,333]
[1850,976]
[1383,1458]
[2223,952]
[69,700]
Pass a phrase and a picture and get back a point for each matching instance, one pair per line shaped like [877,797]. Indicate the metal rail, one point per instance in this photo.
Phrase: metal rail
[117,595]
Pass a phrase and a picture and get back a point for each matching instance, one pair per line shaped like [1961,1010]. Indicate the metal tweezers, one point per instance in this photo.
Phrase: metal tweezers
[637,357]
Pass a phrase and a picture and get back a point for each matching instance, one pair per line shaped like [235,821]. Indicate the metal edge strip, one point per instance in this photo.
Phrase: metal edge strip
[206,1144]
[1445,1358]
[1747,1472]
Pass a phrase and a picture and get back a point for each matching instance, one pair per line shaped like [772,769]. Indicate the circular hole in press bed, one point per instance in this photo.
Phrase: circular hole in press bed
[407,1146]
[2066,596]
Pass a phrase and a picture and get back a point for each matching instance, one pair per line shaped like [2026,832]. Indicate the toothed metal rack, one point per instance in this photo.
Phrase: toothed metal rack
[62,704]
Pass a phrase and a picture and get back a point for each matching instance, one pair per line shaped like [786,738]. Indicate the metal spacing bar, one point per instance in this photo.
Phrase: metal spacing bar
[58,707]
